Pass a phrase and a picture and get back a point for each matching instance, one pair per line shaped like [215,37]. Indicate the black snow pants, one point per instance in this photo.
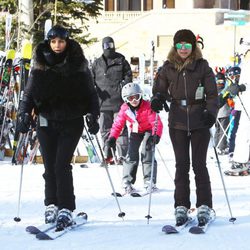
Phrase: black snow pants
[199,140]
[58,142]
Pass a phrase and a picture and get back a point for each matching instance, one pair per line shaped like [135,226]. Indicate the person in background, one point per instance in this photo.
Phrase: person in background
[145,128]
[233,77]
[239,90]
[60,90]
[222,122]
[187,81]
[111,72]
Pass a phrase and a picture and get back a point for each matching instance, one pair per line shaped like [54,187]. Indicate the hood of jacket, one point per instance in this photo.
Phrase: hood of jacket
[73,60]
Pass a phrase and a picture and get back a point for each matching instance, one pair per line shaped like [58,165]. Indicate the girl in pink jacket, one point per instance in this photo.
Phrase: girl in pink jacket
[143,124]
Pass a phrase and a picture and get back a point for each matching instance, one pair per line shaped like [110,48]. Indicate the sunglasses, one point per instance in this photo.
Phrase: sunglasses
[136,97]
[183,46]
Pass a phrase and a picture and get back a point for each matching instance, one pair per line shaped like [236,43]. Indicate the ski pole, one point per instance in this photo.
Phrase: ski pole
[89,137]
[159,152]
[152,168]
[24,145]
[224,131]
[116,162]
[232,219]
[121,214]
[244,107]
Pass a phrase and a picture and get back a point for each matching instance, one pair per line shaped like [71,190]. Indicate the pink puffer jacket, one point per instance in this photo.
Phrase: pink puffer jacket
[139,122]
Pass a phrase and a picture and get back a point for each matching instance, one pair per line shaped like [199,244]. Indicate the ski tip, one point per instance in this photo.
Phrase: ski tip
[135,195]
[84,166]
[196,230]
[26,50]
[168,229]
[82,215]
[10,54]
[117,194]
[43,236]
[32,230]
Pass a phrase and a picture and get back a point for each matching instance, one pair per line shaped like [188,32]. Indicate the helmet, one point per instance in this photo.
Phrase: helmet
[233,71]
[58,31]
[130,89]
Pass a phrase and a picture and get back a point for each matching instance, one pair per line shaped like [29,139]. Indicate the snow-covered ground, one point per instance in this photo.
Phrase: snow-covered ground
[105,230]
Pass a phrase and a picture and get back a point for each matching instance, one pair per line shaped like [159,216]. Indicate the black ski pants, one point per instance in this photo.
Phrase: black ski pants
[58,142]
[199,140]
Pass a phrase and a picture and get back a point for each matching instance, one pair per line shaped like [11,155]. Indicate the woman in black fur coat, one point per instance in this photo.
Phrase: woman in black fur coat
[60,90]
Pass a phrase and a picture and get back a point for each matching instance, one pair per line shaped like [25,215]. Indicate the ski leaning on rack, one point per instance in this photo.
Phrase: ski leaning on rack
[49,232]
[174,229]
[202,228]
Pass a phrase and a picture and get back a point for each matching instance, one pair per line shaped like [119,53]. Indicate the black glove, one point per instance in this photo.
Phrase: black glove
[92,123]
[208,118]
[23,124]
[156,104]
[233,89]
[242,87]
[152,140]
[111,142]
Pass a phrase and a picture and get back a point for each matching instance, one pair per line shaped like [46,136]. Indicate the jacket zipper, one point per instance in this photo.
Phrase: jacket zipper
[186,95]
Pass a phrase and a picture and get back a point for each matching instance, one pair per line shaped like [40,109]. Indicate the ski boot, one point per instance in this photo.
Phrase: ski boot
[129,188]
[64,219]
[181,215]
[153,188]
[203,214]
[238,169]
[50,214]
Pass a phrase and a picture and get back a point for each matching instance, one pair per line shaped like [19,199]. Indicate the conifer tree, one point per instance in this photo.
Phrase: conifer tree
[72,14]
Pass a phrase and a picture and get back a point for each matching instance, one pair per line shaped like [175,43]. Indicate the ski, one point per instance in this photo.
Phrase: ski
[118,194]
[38,229]
[144,193]
[26,54]
[237,173]
[170,229]
[53,234]
[124,193]
[201,229]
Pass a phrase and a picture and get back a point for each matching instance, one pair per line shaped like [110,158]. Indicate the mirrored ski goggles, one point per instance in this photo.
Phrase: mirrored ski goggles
[183,46]
[135,97]
[108,45]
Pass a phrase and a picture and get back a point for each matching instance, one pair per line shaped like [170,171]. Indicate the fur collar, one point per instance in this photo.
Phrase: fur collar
[174,58]
[74,56]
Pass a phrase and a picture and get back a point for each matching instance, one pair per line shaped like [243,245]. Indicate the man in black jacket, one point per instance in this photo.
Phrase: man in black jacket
[111,72]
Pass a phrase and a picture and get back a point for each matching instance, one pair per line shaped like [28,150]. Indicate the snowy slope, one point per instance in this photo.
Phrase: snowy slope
[105,230]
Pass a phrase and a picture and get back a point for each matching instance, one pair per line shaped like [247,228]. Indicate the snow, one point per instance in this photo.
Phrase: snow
[105,230]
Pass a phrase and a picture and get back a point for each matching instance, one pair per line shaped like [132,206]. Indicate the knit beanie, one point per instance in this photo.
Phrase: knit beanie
[185,36]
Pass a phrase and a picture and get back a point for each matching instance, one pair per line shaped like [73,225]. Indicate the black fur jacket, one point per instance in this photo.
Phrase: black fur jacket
[60,87]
